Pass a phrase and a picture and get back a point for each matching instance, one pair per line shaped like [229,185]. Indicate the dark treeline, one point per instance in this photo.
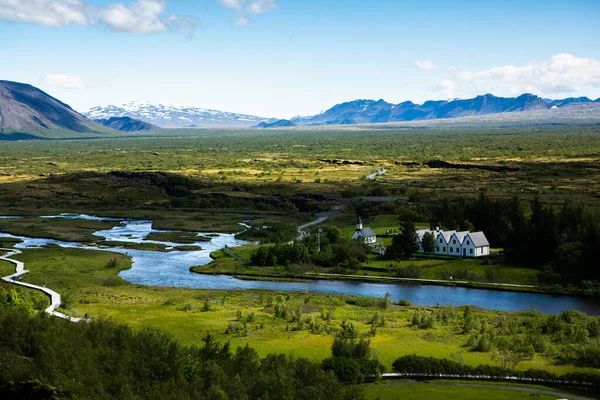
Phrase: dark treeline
[561,241]
[43,357]
[414,364]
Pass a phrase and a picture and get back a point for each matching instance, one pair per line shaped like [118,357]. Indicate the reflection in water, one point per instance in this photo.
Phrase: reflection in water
[172,269]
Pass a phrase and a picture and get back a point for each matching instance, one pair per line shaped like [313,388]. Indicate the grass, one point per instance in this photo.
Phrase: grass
[134,246]
[432,391]
[6,268]
[87,279]
[177,237]
[71,230]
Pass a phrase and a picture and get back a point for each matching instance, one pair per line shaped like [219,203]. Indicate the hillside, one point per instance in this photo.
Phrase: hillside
[126,124]
[27,112]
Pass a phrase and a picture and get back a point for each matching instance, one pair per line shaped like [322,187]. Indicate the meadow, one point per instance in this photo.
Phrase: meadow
[89,285]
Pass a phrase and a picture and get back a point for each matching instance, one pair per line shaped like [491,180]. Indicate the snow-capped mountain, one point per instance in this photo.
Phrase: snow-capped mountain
[170,116]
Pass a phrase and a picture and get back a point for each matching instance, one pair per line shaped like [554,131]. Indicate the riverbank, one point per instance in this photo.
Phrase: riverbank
[238,267]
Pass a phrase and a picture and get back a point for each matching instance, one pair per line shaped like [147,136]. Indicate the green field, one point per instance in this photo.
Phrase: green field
[442,391]
[87,281]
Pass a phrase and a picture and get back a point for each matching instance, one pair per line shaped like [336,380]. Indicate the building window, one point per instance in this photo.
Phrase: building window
[444,249]
[454,242]
[438,248]
[451,249]
[457,250]
[440,240]
[471,251]
[468,242]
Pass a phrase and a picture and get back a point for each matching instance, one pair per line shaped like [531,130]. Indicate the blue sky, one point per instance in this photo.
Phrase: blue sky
[287,57]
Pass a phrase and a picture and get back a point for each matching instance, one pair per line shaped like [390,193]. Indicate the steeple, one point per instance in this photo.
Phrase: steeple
[359,224]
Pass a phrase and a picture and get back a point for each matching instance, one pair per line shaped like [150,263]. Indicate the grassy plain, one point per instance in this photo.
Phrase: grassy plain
[89,285]
[555,161]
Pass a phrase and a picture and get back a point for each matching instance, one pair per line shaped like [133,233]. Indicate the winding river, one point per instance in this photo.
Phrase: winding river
[156,268]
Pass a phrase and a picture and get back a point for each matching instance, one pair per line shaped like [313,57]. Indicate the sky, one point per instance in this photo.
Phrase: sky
[282,58]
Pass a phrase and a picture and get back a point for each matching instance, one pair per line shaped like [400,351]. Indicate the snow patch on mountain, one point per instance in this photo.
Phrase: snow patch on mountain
[175,116]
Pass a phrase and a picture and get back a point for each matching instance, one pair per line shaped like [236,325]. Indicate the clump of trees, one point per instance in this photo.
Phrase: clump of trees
[46,357]
[275,233]
[403,245]
[335,251]
[352,360]
[560,241]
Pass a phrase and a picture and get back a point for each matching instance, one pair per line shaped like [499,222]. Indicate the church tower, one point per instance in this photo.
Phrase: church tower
[359,224]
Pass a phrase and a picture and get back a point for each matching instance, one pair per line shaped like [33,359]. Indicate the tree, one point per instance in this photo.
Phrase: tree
[511,351]
[408,244]
[428,242]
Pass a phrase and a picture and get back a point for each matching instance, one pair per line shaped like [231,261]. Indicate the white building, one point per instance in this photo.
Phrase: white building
[453,243]
[365,234]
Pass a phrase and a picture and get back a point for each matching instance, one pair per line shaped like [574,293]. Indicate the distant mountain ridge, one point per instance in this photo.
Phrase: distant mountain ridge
[126,124]
[170,116]
[380,111]
[26,111]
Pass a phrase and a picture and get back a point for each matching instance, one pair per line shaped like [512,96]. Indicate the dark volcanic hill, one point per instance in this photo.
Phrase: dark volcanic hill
[26,111]
[126,124]
[277,124]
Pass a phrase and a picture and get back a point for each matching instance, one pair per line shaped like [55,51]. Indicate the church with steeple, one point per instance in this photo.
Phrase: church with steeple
[366,235]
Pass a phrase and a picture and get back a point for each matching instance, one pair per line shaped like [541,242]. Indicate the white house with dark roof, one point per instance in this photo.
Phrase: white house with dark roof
[453,243]
[365,234]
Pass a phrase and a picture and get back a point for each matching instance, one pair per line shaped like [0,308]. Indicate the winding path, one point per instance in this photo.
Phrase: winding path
[374,176]
[320,218]
[55,300]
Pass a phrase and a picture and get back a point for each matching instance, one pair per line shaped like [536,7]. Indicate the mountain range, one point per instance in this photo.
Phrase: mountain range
[170,116]
[27,112]
[380,111]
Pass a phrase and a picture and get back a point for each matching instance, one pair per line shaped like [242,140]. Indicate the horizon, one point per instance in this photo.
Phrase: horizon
[280,59]
[334,105]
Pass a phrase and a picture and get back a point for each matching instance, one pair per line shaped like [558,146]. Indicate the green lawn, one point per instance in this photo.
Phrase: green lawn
[429,391]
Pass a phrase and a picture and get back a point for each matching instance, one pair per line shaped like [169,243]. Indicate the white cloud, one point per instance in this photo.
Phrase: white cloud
[45,12]
[447,87]
[143,16]
[64,81]
[235,4]
[248,7]
[241,20]
[260,6]
[424,64]
[562,74]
